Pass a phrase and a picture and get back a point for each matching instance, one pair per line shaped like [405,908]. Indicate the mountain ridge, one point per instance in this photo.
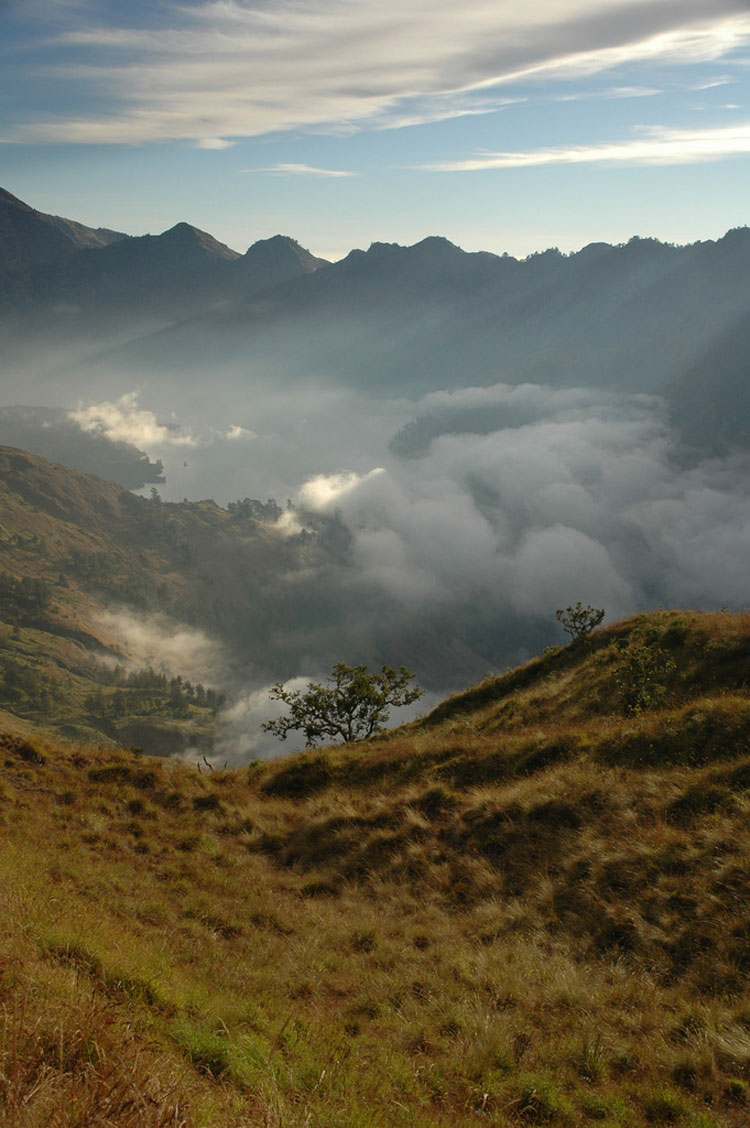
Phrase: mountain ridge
[29,237]
[638,317]
[50,262]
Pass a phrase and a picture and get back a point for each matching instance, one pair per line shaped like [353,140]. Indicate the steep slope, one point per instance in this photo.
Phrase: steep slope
[94,577]
[271,262]
[177,269]
[72,548]
[712,398]
[29,237]
[52,266]
[527,909]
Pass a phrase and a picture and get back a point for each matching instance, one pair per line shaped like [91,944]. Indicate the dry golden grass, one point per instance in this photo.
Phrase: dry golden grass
[529,908]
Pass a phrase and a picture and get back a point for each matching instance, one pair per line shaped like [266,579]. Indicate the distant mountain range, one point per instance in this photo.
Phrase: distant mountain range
[29,238]
[49,264]
[639,317]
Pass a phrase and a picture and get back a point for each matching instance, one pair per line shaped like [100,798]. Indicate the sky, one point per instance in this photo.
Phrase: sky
[502,125]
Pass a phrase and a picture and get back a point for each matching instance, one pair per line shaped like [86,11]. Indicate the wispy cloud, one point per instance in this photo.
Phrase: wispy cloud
[658,146]
[222,69]
[214,143]
[712,83]
[611,93]
[303,170]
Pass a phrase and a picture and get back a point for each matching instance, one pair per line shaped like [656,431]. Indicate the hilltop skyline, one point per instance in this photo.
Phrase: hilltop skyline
[499,128]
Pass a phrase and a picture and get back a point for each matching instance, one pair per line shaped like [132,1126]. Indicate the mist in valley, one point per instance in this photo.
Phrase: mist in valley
[442,448]
[465,517]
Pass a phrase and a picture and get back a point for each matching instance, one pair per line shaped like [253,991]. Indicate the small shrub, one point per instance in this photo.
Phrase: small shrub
[110,773]
[639,675]
[738,1091]
[303,777]
[362,941]
[435,801]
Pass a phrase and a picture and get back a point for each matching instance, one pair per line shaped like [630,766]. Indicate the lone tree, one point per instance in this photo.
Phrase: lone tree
[579,621]
[352,705]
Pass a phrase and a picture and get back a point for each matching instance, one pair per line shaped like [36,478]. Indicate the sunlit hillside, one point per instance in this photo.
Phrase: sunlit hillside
[529,907]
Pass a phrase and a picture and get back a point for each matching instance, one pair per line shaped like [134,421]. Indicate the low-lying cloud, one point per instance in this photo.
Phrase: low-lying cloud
[124,421]
[167,646]
[442,532]
[584,499]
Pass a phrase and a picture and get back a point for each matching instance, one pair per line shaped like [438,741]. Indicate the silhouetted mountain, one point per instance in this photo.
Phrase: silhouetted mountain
[29,237]
[635,317]
[639,317]
[55,266]
[271,262]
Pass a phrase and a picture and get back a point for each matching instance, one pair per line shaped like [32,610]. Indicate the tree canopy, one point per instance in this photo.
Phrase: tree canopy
[353,704]
[579,621]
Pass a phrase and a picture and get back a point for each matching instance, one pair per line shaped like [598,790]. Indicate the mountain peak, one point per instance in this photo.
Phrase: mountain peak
[185,235]
[279,259]
[29,238]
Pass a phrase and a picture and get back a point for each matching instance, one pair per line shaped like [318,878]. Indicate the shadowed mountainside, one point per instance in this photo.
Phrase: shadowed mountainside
[640,317]
[56,267]
[29,237]
[78,553]
[51,433]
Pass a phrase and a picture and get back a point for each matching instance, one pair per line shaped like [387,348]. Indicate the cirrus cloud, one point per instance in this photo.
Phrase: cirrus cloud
[221,69]
[657,146]
[291,169]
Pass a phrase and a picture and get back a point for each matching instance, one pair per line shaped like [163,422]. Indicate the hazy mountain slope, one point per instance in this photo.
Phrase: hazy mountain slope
[712,398]
[94,575]
[29,237]
[269,263]
[51,433]
[527,909]
[54,265]
[634,317]
[643,316]
[176,269]
[72,547]
[182,271]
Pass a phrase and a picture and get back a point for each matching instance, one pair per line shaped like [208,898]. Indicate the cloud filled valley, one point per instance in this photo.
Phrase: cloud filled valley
[441,532]
[456,444]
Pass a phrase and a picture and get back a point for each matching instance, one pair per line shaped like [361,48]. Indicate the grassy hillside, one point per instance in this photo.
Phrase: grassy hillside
[77,552]
[528,908]
[72,546]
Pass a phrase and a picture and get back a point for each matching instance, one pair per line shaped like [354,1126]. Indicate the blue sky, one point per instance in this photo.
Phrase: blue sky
[503,125]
